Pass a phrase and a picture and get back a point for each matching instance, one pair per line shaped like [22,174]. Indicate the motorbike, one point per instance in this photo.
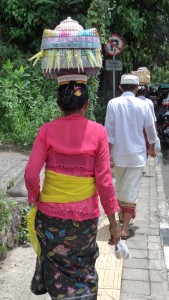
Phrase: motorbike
[163,122]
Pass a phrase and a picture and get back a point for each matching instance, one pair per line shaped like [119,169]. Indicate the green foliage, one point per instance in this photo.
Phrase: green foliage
[9,51]
[22,22]
[24,16]
[99,16]
[26,101]
[23,236]
[10,184]
[138,22]
[93,85]
[160,75]
[100,113]
[3,250]
[5,207]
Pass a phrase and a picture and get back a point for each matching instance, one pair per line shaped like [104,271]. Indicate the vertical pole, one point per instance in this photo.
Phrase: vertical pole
[114,80]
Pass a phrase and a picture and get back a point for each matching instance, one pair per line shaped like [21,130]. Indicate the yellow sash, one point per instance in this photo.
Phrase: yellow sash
[32,232]
[59,188]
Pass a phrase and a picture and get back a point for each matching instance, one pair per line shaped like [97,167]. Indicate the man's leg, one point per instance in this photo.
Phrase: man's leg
[128,214]
[127,187]
[126,224]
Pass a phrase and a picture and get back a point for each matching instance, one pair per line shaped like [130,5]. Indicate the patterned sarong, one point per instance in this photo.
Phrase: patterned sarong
[66,266]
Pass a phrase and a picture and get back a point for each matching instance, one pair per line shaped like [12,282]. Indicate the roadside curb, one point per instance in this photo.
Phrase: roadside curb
[164,217]
[145,275]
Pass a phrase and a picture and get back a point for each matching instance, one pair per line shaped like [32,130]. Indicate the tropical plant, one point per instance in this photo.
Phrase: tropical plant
[25,103]
[5,207]
[139,26]
[23,236]
[144,26]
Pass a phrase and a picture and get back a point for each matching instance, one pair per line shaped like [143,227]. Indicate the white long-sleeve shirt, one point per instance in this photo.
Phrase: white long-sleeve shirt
[126,118]
[150,103]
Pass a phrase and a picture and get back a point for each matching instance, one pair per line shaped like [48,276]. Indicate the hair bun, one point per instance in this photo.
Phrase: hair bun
[71,85]
[69,92]
[72,96]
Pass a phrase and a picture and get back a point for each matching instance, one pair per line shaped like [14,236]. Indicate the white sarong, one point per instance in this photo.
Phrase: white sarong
[127,184]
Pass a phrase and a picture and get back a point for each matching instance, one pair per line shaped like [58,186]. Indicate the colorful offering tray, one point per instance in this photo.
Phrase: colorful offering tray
[69,49]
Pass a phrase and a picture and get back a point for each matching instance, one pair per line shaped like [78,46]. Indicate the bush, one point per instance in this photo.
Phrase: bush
[13,224]
[5,207]
[100,113]
[23,236]
[26,101]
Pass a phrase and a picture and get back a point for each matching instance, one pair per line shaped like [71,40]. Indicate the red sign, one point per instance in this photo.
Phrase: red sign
[115,45]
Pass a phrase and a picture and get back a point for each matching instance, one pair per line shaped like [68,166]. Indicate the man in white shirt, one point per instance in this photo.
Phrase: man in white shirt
[141,94]
[142,90]
[126,117]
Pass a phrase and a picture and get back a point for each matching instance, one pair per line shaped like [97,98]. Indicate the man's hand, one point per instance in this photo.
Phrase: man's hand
[151,151]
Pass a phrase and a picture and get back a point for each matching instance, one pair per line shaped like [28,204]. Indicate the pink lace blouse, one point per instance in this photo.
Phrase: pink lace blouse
[72,145]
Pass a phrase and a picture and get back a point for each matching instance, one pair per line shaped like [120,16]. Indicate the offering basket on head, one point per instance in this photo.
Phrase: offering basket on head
[70,50]
[144,75]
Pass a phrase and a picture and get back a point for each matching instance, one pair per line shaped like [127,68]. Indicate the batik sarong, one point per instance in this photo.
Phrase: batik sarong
[66,266]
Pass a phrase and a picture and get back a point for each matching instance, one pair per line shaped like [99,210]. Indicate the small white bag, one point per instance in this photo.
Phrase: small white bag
[157,145]
[159,156]
[122,251]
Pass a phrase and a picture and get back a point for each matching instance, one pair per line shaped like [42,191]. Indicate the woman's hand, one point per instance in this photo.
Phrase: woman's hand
[115,232]
[35,204]
[114,228]
[112,164]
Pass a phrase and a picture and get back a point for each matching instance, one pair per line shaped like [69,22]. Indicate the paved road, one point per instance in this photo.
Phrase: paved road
[165,173]
[143,277]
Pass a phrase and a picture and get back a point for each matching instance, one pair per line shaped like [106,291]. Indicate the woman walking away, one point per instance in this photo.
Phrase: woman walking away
[75,153]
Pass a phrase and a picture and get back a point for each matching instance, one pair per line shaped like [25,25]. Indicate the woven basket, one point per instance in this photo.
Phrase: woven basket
[69,49]
[143,74]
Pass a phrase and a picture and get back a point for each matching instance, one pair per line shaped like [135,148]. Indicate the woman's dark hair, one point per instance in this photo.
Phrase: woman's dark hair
[72,96]
[143,89]
[128,87]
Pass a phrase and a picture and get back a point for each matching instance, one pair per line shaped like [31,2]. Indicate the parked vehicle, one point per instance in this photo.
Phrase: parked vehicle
[163,121]
[152,94]
[162,93]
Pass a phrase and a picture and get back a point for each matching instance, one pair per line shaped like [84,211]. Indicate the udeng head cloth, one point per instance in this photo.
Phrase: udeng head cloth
[70,50]
[129,79]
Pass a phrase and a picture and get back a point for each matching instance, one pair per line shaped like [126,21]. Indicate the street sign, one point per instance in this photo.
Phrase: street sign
[114,65]
[115,45]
